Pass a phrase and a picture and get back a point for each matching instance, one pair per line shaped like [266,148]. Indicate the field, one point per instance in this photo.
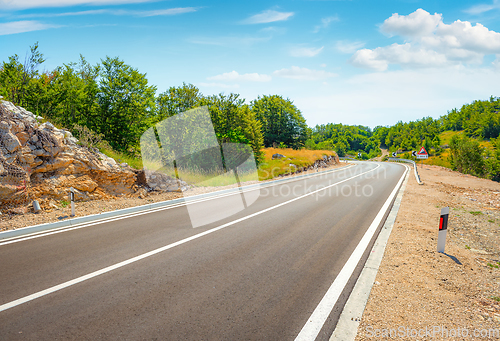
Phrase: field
[270,168]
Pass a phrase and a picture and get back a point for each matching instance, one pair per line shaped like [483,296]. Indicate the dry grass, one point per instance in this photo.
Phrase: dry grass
[301,158]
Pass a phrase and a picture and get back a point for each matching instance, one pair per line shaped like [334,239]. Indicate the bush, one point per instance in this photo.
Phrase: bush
[89,138]
[467,156]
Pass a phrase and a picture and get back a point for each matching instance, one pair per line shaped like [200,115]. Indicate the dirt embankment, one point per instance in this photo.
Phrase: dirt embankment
[417,287]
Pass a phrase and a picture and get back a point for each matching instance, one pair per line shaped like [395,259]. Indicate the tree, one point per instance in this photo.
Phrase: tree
[281,121]
[126,103]
[467,156]
[176,100]
[234,121]
[16,77]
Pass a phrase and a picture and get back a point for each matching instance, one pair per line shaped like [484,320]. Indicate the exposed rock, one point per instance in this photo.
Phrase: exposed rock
[278,156]
[40,161]
[23,137]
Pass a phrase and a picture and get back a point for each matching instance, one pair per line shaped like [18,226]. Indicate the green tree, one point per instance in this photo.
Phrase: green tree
[127,104]
[176,100]
[16,77]
[281,121]
[467,156]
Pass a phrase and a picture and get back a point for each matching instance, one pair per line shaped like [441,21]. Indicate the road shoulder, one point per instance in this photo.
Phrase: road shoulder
[417,287]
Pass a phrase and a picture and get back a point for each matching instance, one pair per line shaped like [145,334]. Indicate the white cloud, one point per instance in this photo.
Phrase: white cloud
[404,55]
[235,76]
[296,72]
[305,51]
[482,8]
[23,4]
[461,34]
[418,23]
[429,43]
[159,12]
[496,62]
[345,46]
[168,11]
[23,26]
[369,59]
[219,85]
[325,22]
[268,16]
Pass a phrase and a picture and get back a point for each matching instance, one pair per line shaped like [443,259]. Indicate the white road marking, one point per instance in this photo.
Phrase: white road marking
[318,318]
[153,210]
[161,249]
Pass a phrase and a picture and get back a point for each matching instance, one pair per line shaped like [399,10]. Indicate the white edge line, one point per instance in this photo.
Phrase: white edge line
[347,327]
[153,252]
[55,230]
[318,318]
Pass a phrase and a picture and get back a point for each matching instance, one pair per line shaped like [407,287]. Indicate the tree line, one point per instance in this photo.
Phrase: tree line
[116,101]
[344,139]
[474,123]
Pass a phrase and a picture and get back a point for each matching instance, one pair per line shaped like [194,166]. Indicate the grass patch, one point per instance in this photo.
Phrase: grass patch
[467,247]
[495,298]
[202,179]
[122,157]
[64,203]
[446,136]
[491,221]
[270,168]
[496,266]
[476,212]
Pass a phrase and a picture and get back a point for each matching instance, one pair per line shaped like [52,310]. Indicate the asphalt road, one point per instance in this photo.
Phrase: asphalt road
[255,275]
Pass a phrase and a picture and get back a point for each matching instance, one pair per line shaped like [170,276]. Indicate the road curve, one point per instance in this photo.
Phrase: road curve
[255,275]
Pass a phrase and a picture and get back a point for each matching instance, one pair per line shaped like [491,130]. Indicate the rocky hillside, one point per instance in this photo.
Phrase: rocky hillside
[39,161]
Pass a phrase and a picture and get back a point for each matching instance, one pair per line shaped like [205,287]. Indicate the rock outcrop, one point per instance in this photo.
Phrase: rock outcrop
[39,161]
[324,162]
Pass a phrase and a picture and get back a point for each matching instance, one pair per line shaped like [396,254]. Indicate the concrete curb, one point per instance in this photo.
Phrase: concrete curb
[348,323]
[130,210]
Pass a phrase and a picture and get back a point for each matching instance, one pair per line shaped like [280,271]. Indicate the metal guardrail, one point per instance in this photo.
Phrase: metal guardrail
[417,177]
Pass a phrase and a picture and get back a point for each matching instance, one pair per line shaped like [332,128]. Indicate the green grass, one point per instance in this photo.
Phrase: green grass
[446,136]
[491,221]
[122,157]
[476,212]
[467,247]
[203,179]
[496,266]
[495,298]
[64,203]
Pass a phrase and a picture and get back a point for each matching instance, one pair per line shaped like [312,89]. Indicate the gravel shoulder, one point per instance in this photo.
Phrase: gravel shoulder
[417,287]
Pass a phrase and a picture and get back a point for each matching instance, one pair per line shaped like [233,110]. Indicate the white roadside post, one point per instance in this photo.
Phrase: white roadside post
[72,198]
[443,227]
[36,206]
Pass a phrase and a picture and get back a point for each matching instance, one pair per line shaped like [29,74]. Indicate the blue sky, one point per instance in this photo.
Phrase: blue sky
[353,62]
